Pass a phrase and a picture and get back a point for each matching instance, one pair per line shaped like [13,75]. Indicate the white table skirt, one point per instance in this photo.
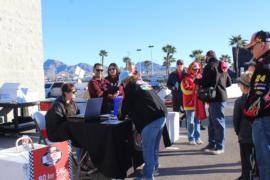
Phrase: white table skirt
[172,123]
[13,165]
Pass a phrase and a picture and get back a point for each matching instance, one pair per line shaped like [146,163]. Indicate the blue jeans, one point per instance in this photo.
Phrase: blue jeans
[151,135]
[193,126]
[216,126]
[261,140]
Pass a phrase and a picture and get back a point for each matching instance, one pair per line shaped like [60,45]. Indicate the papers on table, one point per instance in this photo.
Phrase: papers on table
[111,122]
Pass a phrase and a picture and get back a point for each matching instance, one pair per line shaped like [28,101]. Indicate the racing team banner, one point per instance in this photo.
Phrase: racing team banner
[52,162]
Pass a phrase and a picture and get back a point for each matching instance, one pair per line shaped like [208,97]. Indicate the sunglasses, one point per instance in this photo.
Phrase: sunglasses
[257,41]
[99,70]
[111,69]
[73,92]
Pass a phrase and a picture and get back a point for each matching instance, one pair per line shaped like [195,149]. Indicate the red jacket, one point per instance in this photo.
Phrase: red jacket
[190,96]
[187,87]
[199,106]
[99,88]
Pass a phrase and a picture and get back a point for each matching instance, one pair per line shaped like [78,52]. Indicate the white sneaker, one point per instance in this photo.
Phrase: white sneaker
[199,142]
[217,151]
[192,143]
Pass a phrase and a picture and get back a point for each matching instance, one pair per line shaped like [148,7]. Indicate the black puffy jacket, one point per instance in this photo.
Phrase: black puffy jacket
[142,104]
[56,119]
[212,76]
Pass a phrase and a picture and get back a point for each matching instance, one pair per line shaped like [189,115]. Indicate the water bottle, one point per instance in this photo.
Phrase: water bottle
[117,101]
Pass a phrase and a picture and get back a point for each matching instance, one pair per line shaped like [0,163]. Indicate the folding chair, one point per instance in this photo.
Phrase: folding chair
[39,119]
[83,158]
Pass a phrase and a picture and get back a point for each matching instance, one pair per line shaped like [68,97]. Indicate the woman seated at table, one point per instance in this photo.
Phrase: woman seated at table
[144,107]
[56,117]
[113,90]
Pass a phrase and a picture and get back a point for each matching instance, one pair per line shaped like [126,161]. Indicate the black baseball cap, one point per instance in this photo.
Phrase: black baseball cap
[260,36]
[179,62]
[211,54]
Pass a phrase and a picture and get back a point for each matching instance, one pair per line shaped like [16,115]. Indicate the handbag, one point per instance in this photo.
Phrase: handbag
[209,93]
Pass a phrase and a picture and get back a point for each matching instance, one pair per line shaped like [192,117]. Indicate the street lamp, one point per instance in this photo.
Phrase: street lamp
[151,46]
[138,50]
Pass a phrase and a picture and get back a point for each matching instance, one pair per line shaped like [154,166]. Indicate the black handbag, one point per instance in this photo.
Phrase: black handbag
[207,94]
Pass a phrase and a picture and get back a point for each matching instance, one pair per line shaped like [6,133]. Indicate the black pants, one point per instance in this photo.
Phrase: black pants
[177,101]
[248,160]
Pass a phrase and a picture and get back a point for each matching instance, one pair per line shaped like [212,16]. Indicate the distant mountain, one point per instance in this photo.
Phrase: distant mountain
[55,67]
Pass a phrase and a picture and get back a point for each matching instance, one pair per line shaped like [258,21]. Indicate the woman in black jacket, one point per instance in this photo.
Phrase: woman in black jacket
[56,117]
[148,112]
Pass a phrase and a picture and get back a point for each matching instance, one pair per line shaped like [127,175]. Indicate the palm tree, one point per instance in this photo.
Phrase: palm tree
[147,64]
[198,56]
[126,60]
[103,53]
[238,43]
[168,59]
[226,58]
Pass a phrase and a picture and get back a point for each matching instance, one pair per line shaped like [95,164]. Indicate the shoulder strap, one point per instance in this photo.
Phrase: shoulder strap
[218,77]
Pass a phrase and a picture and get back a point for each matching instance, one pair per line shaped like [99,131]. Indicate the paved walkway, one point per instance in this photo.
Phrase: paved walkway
[188,162]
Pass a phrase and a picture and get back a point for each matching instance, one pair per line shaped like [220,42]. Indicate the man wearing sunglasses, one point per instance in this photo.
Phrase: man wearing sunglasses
[173,83]
[98,86]
[257,107]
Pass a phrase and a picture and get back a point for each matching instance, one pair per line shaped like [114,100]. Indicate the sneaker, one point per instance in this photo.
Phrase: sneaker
[217,151]
[192,143]
[202,127]
[199,141]
[208,148]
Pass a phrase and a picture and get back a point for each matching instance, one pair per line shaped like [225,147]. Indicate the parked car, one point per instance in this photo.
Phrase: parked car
[48,87]
[168,100]
[165,94]
[81,89]
[55,90]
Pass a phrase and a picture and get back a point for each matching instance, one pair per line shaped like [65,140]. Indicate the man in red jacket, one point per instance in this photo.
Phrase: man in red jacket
[98,86]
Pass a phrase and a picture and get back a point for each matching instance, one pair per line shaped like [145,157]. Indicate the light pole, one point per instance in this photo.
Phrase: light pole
[139,50]
[151,46]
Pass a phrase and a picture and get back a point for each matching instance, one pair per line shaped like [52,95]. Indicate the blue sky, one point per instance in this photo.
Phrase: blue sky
[76,30]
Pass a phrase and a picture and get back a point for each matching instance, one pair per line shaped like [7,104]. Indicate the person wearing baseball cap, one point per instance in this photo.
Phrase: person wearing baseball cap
[257,107]
[215,76]
[173,83]
[148,113]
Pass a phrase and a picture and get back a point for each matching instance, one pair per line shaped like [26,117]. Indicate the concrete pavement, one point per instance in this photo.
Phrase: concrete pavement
[188,162]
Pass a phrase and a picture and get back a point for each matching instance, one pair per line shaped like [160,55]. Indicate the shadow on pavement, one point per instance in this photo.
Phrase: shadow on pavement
[203,169]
